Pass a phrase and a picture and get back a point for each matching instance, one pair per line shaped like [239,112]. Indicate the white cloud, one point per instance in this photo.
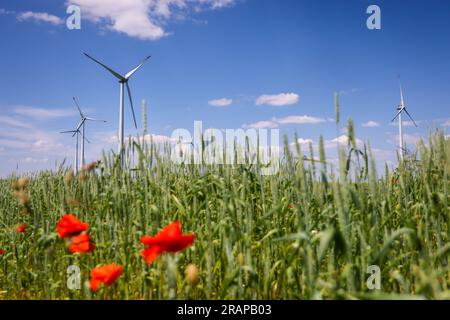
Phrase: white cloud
[217,4]
[48,144]
[382,155]
[405,123]
[370,124]
[109,139]
[143,19]
[159,139]
[35,160]
[407,138]
[300,120]
[278,100]
[411,139]
[7,120]
[303,142]
[14,144]
[276,122]
[40,17]
[43,114]
[261,125]
[341,140]
[446,123]
[220,102]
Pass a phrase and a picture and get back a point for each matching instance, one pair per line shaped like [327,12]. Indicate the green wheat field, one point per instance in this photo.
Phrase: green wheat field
[309,231]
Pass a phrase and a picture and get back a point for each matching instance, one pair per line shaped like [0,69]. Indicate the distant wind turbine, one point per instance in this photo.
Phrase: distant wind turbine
[77,133]
[400,109]
[123,80]
[82,125]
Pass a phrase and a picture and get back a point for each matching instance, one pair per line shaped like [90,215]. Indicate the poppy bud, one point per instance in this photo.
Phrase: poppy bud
[23,182]
[192,275]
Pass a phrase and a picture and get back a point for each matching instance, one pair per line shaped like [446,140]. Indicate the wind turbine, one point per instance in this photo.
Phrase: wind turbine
[400,109]
[77,133]
[123,80]
[82,125]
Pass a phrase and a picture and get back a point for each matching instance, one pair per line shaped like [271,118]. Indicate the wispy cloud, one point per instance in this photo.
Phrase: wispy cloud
[349,91]
[266,124]
[35,160]
[40,17]
[109,139]
[278,100]
[5,11]
[276,122]
[300,120]
[405,123]
[43,114]
[370,124]
[411,139]
[143,19]
[383,155]
[224,102]
[7,120]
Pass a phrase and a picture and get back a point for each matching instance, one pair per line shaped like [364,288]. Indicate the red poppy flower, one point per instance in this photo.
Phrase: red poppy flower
[2,251]
[106,275]
[21,228]
[69,225]
[169,239]
[81,243]
[290,206]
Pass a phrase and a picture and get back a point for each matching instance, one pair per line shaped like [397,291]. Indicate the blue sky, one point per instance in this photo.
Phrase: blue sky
[274,63]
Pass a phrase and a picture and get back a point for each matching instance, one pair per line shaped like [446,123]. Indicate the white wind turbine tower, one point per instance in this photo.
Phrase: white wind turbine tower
[82,125]
[400,109]
[123,80]
[77,133]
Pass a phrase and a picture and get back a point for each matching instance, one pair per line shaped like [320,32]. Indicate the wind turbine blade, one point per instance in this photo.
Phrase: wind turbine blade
[87,140]
[398,113]
[410,116]
[132,71]
[80,124]
[69,131]
[131,102]
[402,100]
[79,109]
[117,75]
[92,119]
